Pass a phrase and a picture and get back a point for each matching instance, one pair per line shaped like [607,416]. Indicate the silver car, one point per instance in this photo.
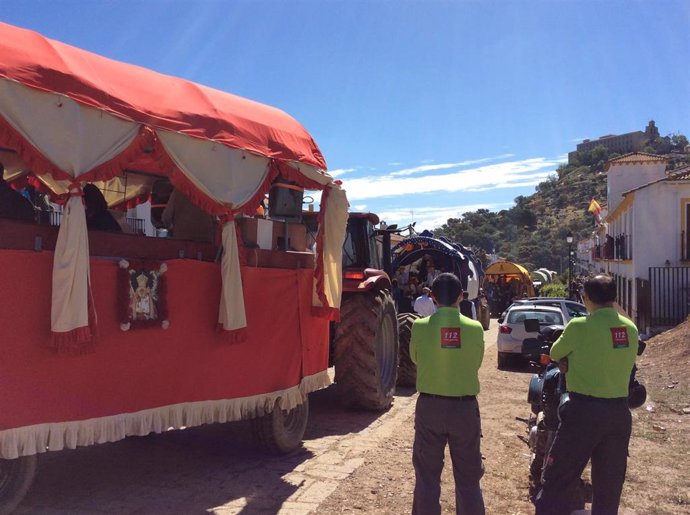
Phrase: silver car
[511,332]
[569,308]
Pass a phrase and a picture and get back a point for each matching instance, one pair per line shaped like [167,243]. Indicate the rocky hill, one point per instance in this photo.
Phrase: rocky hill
[533,231]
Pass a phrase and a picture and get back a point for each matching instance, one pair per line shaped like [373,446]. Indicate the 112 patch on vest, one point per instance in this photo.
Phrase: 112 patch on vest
[619,337]
[450,338]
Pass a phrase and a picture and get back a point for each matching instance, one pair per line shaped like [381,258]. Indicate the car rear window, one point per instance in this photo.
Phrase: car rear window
[544,317]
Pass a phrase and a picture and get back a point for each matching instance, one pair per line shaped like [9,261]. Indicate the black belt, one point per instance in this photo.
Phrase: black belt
[460,398]
[589,398]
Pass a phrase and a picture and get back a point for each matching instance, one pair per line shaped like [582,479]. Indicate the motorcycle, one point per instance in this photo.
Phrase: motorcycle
[546,393]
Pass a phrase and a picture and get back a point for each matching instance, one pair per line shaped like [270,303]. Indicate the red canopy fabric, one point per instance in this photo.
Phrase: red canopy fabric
[153,99]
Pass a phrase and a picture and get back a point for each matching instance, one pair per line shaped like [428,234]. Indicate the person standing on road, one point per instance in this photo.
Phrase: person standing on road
[424,304]
[448,350]
[595,423]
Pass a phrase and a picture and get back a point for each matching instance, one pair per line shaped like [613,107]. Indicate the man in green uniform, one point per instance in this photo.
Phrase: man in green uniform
[595,423]
[447,348]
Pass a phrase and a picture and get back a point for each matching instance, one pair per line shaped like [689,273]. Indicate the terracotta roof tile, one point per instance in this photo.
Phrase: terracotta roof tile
[679,174]
[635,158]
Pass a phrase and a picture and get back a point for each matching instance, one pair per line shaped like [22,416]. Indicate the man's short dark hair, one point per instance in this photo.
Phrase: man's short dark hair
[601,289]
[446,289]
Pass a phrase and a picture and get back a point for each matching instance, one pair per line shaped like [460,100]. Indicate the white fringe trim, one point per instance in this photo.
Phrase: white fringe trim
[25,441]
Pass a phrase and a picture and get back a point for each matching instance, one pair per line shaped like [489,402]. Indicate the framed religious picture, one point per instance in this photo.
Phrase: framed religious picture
[142,295]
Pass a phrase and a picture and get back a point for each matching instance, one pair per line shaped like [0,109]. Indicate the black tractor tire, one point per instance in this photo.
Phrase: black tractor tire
[407,370]
[280,431]
[366,350]
[16,477]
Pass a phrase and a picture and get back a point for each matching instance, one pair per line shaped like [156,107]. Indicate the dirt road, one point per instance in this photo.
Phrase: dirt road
[385,482]
[352,462]
[217,469]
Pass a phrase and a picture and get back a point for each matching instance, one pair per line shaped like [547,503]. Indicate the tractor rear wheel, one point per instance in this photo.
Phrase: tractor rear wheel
[366,350]
[16,477]
[407,370]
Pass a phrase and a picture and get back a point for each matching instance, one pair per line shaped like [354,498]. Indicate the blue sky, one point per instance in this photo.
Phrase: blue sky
[425,109]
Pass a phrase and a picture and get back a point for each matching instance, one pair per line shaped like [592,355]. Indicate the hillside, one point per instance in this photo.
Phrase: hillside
[533,231]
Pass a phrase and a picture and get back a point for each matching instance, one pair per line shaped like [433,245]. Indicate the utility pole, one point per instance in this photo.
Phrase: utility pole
[569,240]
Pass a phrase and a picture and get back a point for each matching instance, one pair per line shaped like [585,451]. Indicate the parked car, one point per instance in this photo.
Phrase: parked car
[511,332]
[569,308]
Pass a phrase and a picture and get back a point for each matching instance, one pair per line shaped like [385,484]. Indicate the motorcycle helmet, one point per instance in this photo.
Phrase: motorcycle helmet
[637,395]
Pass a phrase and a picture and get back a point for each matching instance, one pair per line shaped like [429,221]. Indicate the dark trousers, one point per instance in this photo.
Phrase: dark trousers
[590,428]
[454,422]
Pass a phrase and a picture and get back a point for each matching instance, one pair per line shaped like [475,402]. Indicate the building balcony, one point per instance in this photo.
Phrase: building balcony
[618,248]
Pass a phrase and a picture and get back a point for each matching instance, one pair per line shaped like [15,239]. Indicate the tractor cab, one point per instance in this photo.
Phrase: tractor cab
[362,263]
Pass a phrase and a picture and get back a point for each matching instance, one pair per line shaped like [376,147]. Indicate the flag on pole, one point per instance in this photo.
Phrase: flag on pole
[595,209]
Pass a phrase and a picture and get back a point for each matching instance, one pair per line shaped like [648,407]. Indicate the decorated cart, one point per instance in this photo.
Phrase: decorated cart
[505,282]
[416,252]
[108,335]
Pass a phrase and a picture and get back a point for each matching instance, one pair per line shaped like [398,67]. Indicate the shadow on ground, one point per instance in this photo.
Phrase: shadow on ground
[329,417]
[187,471]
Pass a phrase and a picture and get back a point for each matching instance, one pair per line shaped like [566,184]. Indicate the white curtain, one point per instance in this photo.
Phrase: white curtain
[335,225]
[69,316]
[231,314]
[227,175]
[75,138]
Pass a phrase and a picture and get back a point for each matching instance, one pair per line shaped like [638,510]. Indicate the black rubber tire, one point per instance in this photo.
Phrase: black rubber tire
[504,360]
[366,350]
[407,370]
[16,477]
[280,432]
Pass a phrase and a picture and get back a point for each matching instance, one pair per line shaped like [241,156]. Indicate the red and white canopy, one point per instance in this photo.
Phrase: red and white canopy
[68,115]
[81,111]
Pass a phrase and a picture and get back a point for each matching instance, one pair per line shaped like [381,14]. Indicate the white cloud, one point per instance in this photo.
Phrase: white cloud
[340,171]
[511,174]
[359,207]
[394,164]
[446,166]
[432,217]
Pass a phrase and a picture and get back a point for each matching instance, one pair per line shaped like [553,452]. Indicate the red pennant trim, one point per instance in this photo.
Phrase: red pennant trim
[233,335]
[75,342]
[39,165]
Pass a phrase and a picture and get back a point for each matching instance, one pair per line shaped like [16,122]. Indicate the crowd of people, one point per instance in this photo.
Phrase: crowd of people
[502,292]
[410,282]
[182,218]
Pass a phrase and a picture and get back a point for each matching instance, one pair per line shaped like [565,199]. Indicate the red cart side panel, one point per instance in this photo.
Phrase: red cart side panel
[149,368]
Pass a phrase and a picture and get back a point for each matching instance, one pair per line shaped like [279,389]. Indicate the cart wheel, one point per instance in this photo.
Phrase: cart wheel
[280,431]
[16,477]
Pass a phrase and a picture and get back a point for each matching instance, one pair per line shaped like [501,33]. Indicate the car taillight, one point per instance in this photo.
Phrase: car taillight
[506,329]
[354,275]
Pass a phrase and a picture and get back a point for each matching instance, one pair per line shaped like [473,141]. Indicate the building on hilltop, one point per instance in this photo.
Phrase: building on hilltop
[621,144]
[644,240]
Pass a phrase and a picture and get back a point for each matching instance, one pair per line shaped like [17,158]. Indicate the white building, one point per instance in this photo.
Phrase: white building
[644,241]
